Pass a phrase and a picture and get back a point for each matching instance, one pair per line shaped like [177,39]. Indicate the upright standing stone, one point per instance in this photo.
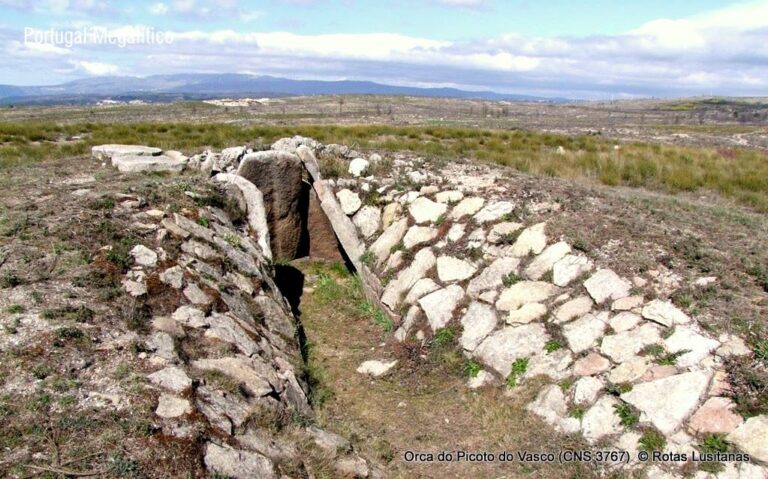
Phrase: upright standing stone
[278,176]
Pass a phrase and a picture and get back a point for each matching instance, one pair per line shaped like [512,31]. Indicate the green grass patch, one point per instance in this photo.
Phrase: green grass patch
[742,174]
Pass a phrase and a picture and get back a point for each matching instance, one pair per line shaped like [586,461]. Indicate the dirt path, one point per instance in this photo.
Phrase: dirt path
[424,406]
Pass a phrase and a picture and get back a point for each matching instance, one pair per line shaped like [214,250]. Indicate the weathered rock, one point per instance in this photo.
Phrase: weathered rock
[584,332]
[417,235]
[349,200]
[410,319]
[439,306]
[586,389]
[376,368]
[168,325]
[358,166]
[106,152]
[423,261]
[531,240]
[225,328]
[500,349]
[169,406]
[573,309]
[390,214]
[750,437]
[628,303]
[664,313]
[455,233]
[715,416]
[479,320]
[383,245]
[425,210]
[292,144]
[546,260]
[569,268]
[524,292]
[624,346]
[238,464]
[451,196]
[467,206]
[733,346]
[590,365]
[629,371]
[664,371]
[483,378]
[451,269]
[601,419]
[668,402]
[492,276]
[196,295]
[502,232]
[368,220]
[173,277]
[142,163]
[550,405]
[134,284]
[606,285]
[329,441]
[162,345]
[527,313]
[201,250]
[144,256]
[278,177]
[352,467]
[258,378]
[554,364]
[171,378]
[255,209]
[624,321]
[693,345]
[190,316]
[494,211]
[422,288]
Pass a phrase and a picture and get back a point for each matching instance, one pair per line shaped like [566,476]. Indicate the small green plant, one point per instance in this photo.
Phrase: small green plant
[69,333]
[203,221]
[475,254]
[577,412]
[102,204]
[761,350]
[440,220]
[580,245]
[9,280]
[652,441]
[566,384]
[15,309]
[671,358]
[233,240]
[510,279]
[472,368]
[714,443]
[41,371]
[368,258]
[444,337]
[519,367]
[552,345]
[627,416]
[398,247]
[383,320]
[618,389]
[654,350]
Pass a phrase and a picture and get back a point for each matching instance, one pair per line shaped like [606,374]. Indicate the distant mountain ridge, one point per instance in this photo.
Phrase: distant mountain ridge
[205,86]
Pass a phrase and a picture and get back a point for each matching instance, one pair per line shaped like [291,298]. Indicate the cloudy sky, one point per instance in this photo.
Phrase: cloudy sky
[572,48]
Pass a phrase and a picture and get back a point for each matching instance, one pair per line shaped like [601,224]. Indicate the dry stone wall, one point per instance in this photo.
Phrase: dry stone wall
[442,246]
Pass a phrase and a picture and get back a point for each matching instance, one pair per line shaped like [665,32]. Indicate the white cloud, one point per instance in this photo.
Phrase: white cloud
[95,68]
[723,51]
[158,8]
